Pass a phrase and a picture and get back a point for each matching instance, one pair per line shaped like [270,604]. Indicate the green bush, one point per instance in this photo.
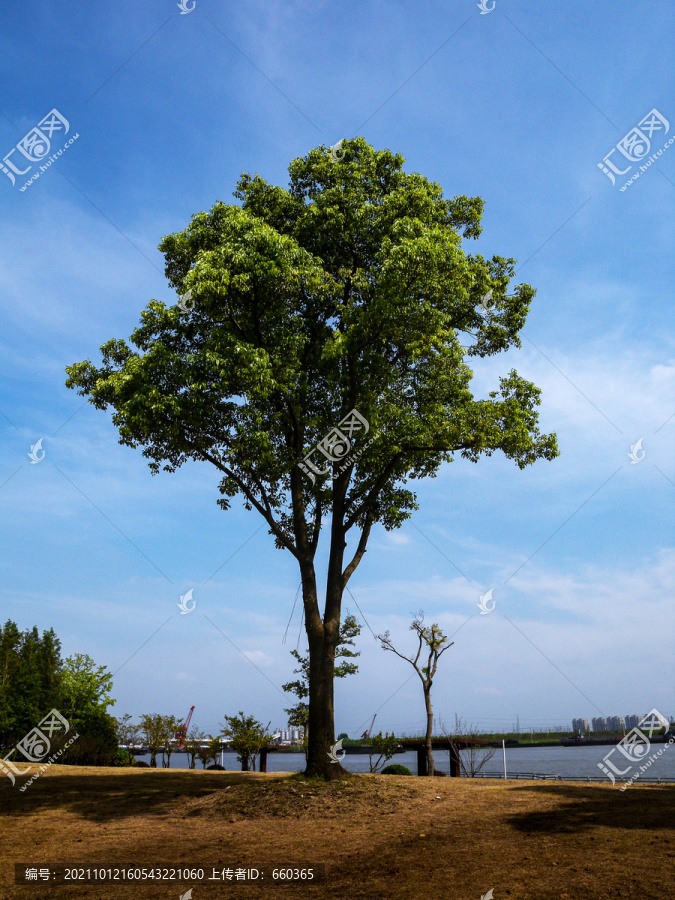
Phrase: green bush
[124,758]
[96,744]
[396,769]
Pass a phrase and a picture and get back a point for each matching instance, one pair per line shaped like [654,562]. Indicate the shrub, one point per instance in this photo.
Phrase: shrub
[396,769]
[97,741]
[124,758]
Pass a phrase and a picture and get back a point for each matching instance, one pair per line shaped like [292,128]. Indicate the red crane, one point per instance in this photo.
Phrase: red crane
[181,734]
[366,734]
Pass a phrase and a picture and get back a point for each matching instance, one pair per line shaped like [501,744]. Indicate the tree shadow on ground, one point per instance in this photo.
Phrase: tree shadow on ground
[638,808]
[102,797]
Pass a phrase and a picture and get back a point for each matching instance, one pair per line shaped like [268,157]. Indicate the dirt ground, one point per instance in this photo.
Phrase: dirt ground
[378,836]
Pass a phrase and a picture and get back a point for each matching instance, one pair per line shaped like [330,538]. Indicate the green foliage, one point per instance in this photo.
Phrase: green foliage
[157,730]
[206,751]
[384,745]
[127,732]
[193,741]
[215,746]
[343,736]
[350,629]
[248,736]
[30,679]
[97,741]
[349,289]
[85,687]
[34,680]
[124,758]
[396,769]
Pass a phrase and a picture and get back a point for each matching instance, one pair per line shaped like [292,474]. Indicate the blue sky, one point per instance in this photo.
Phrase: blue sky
[517,105]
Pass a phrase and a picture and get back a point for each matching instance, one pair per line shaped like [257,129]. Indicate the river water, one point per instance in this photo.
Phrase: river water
[563,761]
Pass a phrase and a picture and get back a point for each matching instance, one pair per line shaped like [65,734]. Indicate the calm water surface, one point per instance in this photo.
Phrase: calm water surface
[564,761]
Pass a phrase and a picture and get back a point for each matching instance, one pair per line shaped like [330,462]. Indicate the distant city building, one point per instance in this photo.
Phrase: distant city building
[289,735]
[614,724]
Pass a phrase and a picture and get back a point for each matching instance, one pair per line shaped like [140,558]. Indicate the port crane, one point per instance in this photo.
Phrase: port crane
[366,734]
[181,734]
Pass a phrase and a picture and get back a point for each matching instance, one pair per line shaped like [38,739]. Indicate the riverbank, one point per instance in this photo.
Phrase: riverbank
[379,836]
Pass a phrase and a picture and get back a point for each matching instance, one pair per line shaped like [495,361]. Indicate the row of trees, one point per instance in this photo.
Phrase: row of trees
[34,679]
[244,734]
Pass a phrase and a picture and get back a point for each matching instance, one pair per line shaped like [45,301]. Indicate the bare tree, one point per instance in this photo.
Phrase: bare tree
[433,639]
[472,757]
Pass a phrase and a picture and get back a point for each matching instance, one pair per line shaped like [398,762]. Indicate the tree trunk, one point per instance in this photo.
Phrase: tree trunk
[321,725]
[322,637]
[430,730]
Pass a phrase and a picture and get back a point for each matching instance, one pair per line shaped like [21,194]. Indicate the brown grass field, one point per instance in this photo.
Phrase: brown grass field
[379,836]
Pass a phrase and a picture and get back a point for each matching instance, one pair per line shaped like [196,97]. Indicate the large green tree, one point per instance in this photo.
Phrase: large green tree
[348,290]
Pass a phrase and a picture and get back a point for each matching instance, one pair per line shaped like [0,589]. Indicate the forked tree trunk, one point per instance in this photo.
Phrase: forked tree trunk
[321,724]
[430,730]
[321,720]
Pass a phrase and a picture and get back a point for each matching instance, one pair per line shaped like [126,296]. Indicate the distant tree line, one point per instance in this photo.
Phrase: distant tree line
[34,679]
[245,735]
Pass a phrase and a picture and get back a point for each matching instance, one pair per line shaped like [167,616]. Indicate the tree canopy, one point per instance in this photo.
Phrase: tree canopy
[350,290]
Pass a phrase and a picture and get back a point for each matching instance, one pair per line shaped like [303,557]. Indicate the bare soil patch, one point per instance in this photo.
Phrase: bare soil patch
[379,836]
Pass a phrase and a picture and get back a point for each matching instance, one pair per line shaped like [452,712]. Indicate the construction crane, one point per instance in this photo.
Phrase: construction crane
[366,734]
[181,734]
